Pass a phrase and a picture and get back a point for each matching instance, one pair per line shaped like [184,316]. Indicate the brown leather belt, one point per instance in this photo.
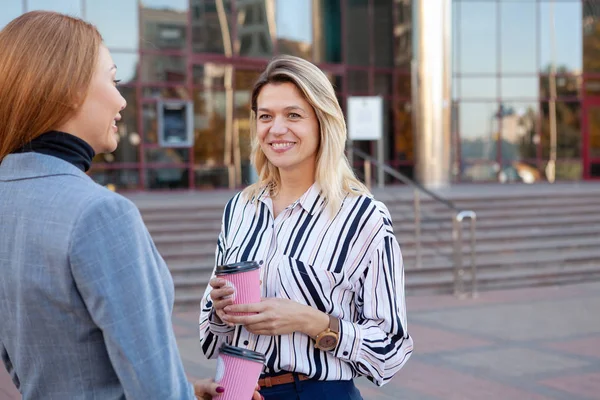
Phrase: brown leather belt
[270,381]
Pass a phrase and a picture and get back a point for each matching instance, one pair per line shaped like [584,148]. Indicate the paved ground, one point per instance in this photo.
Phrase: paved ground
[541,343]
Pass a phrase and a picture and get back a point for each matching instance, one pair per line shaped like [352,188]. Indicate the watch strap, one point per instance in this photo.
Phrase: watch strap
[334,324]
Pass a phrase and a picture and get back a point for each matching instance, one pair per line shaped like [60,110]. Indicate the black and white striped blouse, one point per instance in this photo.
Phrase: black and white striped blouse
[349,266]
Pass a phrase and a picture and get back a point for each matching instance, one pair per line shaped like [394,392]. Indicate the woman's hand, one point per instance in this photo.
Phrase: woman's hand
[221,296]
[276,316]
[205,389]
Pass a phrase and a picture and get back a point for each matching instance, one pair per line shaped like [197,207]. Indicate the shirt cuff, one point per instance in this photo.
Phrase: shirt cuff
[217,326]
[350,339]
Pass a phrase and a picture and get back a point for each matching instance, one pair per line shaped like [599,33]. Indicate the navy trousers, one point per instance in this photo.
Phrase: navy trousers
[312,390]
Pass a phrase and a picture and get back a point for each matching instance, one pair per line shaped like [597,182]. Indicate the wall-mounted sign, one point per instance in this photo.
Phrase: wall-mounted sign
[175,123]
[365,117]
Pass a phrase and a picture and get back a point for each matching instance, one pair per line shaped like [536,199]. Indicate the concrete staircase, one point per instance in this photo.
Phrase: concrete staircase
[526,235]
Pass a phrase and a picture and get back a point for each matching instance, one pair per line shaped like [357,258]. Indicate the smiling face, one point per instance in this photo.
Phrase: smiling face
[96,118]
[287,128]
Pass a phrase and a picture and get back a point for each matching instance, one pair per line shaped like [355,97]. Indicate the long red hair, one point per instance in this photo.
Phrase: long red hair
[48,60]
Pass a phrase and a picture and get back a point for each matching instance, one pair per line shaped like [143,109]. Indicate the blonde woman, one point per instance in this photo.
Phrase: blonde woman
[332,274]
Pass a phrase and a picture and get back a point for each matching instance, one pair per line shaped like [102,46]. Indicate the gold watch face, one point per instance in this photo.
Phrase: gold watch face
[328,342]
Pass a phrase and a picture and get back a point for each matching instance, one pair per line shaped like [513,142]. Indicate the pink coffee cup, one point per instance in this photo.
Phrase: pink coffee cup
[244,277]
[238,371]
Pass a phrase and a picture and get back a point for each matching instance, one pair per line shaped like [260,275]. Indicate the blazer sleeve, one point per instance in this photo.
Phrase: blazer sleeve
[9,366]
[213,331]
[128,292]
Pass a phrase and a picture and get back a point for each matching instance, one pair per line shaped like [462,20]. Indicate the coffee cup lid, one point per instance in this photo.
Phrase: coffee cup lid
[242,353]
[236,267]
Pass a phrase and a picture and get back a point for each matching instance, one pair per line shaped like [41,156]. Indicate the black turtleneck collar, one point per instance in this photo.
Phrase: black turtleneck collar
[64,146]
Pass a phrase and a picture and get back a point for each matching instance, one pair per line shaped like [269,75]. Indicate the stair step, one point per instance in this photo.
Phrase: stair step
[527,235]
[205,255]
[444,284]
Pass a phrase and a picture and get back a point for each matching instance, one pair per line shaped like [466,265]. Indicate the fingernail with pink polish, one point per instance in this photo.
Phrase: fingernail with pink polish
[220,389]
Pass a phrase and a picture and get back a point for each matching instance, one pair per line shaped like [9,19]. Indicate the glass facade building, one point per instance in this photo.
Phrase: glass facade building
[210,52]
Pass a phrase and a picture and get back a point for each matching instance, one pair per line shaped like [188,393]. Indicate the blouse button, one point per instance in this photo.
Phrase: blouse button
[345,353]
[246,343]
[260,262]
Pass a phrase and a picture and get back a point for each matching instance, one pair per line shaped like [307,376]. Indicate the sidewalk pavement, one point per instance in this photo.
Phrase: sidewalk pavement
[521,344]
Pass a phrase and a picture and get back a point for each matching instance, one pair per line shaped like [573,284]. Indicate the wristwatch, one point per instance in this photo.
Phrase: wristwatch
[329,338]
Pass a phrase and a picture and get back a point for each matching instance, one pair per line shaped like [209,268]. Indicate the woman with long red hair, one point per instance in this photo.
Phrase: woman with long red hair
[85,298]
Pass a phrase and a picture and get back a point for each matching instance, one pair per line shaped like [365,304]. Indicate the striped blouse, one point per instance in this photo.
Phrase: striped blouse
[348,266]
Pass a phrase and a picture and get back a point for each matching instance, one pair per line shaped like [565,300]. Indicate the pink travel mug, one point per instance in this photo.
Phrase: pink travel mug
[238,371]
[244,277]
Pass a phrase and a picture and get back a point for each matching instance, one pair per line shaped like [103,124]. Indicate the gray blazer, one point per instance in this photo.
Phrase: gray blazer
[85,298]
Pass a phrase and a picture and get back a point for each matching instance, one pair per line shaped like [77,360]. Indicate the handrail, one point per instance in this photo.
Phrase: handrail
[458,217]
[404,179]
[459,271]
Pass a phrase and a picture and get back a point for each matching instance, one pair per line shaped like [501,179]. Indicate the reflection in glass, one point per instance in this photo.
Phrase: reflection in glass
[595,170]
[568,130]
[518,39]
[70,7]
[128,135]
[404,85]
[567,85]
[336,81]
[149,116]
[358,82]
[477,37]
[120,179]
[127,64]
[175,92]
[255,28]
[519,88]
[567,35]
[209,177]
[591,86]
[591,39]
[167,178]
[593,128]
[403,32]
[176,5]
[357,33]
[245,80]
[327,31]
[519,142]
[11,9]
[209,127]
[403,135]
[159,68]
[383,84]
[388,123]
[478,133]
[168,155]
[209,75]
[478,88]
[118,29]
[455,36]
[163,28]
[569,170]
[294,28]
[242,146]
[383,25]
[211,26]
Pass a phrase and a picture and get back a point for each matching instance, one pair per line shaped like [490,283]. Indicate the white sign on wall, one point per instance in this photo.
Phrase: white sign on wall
[365,117]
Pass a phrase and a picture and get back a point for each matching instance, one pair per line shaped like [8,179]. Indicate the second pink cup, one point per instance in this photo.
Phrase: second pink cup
[238,371]
[244,277]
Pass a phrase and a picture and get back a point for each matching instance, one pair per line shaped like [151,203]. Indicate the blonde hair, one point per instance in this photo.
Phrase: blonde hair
[48,60]
[333,172]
